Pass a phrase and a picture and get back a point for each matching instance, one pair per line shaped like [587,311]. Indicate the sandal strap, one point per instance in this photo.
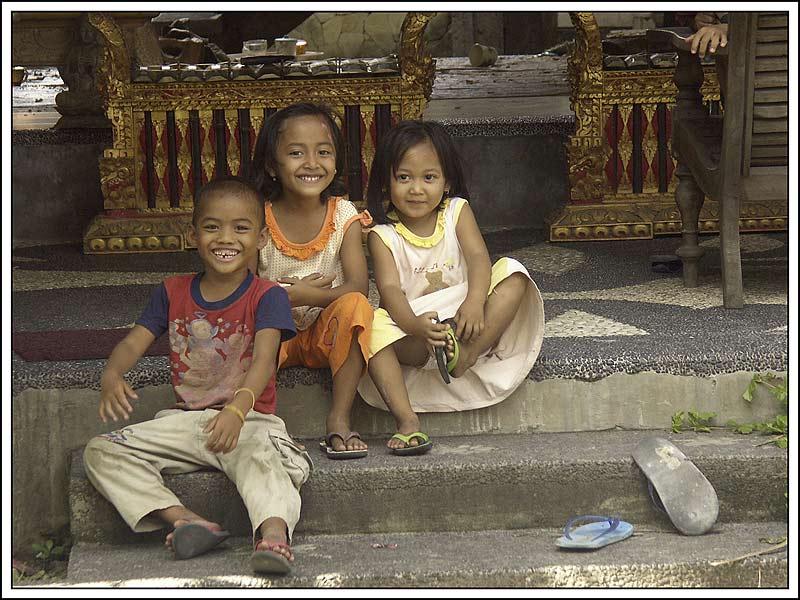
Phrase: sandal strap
[407,438]
[612,521]
[343,436]
[271,545]
[655,497]
[451,364]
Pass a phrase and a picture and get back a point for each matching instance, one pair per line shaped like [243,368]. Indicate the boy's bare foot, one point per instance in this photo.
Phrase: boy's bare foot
[211,526]
[275,545]
[272,553]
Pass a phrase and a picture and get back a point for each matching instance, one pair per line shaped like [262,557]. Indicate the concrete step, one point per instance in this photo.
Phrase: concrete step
[493,558]
[476,483]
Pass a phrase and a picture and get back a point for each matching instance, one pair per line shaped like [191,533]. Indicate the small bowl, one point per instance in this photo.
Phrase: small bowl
[255,47]
[286,46]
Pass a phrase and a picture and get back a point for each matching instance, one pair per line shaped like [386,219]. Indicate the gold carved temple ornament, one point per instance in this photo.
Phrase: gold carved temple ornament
[621,170]
[170,136]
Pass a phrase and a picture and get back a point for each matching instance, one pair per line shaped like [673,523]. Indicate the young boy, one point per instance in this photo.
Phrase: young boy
[225,327]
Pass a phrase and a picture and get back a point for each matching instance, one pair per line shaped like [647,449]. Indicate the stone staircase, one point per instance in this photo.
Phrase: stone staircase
[624,350]
[478,511]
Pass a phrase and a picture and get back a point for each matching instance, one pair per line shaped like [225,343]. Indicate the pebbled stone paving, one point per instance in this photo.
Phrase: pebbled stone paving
[606,310]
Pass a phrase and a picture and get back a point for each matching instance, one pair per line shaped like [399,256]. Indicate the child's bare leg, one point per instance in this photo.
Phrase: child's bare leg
[273,532]
[501,307]
[345,384]
[384,369]
[180,515]
[411,351]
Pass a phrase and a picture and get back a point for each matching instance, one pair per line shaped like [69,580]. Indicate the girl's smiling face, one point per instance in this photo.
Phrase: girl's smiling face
[305,157]
[418,184]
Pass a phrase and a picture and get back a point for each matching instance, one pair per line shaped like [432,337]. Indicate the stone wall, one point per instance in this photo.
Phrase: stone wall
[364,34]
[370,34]
[55,180]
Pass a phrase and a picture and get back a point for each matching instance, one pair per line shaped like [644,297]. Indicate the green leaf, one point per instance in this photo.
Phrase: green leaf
[751,389]
[677,422]
[745,428]
[782,442]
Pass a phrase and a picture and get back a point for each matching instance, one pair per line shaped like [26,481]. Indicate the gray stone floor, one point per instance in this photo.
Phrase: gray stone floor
[606,310]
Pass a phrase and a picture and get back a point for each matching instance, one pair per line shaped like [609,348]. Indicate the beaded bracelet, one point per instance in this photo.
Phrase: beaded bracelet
[252,395]
[233,409]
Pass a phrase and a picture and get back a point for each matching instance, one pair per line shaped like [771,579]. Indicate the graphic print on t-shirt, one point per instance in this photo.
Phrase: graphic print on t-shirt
[212,360]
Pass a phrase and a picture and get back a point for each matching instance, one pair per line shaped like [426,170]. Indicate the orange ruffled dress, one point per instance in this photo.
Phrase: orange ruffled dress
[324,335]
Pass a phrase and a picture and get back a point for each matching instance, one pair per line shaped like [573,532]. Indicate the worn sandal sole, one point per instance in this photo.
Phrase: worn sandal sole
[688,497]
[268,561]
[193,539]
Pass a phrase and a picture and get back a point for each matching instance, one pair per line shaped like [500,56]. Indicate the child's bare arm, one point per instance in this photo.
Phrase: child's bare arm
[316,290]
[469,318]
[394,300]
[225,427]
[114,390]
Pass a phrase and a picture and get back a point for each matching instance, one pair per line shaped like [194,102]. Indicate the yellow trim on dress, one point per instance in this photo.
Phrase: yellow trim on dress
[422,242]
[302,251]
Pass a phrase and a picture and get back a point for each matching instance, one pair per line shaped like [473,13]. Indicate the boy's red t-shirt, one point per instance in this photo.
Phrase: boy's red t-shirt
[211,343]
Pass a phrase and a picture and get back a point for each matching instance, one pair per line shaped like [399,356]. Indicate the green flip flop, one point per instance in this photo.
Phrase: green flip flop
[446,368]
[424,447]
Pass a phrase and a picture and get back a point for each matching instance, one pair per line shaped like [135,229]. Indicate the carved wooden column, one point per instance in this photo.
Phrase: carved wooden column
[688,195]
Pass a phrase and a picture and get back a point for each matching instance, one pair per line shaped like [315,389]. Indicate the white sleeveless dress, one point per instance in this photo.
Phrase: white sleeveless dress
[433,276]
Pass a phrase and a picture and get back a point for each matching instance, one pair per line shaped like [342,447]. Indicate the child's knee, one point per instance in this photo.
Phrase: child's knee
[98,450]
[357,300]
[513,284]
[94,452]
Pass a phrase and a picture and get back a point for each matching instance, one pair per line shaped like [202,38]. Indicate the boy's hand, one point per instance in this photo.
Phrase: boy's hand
[428,330]
[469,320]
[114,394]
[223,432]
[301,291]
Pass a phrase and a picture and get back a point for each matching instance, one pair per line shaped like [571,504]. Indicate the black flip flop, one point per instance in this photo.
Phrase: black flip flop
[327,447]
[687,496]
[268,561]
[193,539]
[441,360]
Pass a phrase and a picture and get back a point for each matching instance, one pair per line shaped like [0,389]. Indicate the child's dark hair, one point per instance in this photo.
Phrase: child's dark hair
[264,153]
[228,185]
[390,152]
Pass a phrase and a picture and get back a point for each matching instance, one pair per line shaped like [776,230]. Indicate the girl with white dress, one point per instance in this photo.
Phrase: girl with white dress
[453,332]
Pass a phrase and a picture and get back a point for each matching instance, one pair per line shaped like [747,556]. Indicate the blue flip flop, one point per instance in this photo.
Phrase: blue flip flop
[601,531]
